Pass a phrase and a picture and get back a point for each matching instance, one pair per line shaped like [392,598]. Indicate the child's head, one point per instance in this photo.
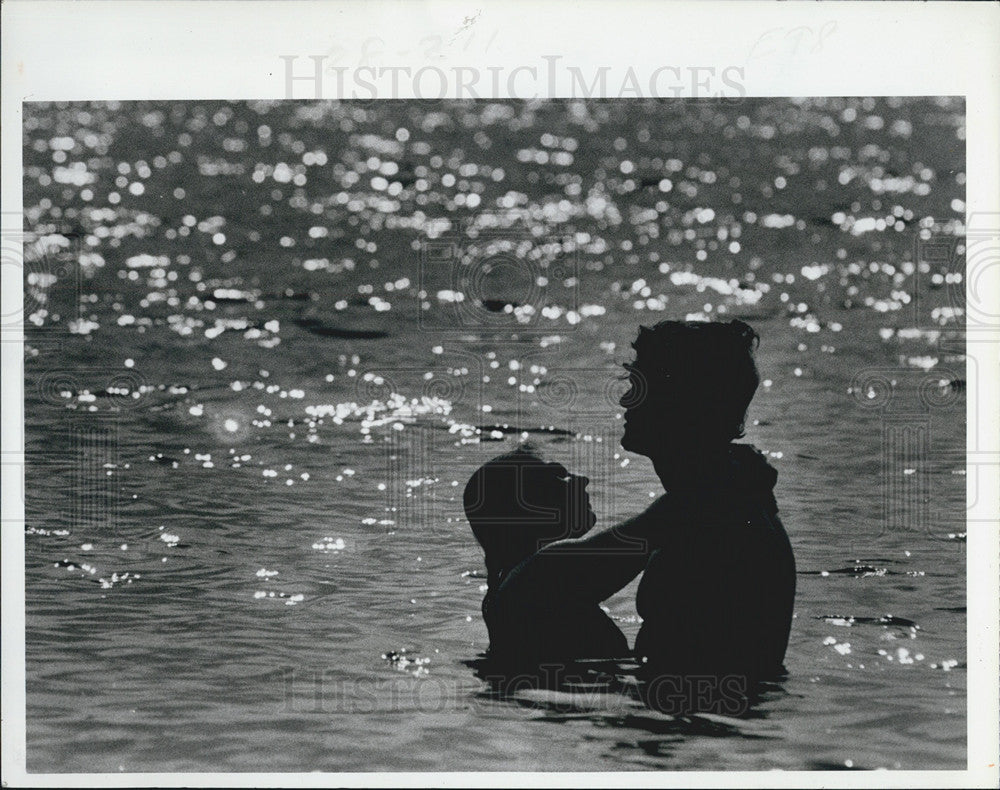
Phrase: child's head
[691,383]
[517,503]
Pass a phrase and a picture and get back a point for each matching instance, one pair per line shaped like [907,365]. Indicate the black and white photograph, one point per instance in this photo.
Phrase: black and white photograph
[536,417]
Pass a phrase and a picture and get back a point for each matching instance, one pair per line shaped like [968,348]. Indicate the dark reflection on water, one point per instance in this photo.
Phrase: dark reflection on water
[253,396]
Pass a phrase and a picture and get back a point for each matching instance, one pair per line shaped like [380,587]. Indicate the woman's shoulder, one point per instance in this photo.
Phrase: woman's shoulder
[752,476]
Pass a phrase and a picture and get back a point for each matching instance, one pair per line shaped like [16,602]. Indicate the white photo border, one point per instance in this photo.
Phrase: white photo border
[240,49]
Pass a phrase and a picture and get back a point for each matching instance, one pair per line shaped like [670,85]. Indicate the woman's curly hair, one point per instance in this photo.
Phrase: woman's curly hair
[703,372]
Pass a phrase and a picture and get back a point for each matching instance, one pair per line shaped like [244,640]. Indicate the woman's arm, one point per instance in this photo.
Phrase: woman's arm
[587,570]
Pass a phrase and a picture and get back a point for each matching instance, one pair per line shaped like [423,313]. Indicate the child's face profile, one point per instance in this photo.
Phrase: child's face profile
[552,486]
[518,503]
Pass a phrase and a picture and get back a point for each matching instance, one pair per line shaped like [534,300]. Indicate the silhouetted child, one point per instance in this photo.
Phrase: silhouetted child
[516,504]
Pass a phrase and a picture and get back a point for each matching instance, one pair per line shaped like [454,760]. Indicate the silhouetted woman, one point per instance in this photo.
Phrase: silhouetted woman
[719,583]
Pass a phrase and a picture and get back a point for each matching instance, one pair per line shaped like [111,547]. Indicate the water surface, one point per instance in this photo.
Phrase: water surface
[266,344]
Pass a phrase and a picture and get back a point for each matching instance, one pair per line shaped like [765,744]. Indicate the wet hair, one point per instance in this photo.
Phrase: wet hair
[511,515]
[702,372]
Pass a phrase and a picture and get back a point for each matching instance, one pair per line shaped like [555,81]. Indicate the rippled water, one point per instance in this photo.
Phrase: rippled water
[268,342]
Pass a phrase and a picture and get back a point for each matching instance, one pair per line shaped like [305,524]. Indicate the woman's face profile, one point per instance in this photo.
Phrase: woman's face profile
[643,431]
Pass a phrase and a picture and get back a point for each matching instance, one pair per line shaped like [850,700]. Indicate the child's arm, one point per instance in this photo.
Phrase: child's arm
[586,570]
